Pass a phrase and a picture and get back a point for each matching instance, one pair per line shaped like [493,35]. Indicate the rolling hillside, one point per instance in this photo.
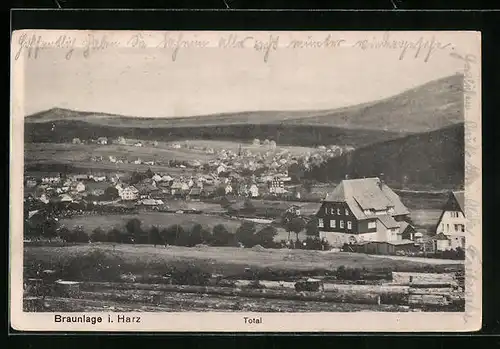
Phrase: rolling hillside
[296,135]
[427,160]
[430,106]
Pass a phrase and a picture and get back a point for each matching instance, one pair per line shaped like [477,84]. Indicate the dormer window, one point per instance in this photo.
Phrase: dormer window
[346,212]
[338,211]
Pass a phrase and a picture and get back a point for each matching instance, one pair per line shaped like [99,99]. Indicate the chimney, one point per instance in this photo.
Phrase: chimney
[381,181]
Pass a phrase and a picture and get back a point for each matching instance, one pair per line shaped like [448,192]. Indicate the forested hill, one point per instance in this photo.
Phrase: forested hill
[433,160]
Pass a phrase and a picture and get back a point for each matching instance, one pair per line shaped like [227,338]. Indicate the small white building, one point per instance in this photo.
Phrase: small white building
[450,230]
[102,140]
[65,198]
[221,169]
[129,193]
[78,187]
[43,198]
[254,191]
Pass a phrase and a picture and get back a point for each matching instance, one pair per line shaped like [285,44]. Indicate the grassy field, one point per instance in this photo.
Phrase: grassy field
[80,152]
[148,219]
[217,145]
[129,277]
[104,261]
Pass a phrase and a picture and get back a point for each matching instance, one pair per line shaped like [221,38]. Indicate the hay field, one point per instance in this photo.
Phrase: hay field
[224,260]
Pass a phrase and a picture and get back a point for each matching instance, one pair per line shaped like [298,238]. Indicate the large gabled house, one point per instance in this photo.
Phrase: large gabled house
[361,210]
[450,230]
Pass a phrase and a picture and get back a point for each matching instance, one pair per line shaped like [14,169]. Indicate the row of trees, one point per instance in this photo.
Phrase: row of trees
[246,235]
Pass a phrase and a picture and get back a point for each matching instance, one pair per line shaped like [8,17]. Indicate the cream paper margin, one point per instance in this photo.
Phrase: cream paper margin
[469,51]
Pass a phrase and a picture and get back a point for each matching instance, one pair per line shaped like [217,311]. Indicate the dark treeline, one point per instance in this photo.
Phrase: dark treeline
[247,235]
[434,160]
[298,135]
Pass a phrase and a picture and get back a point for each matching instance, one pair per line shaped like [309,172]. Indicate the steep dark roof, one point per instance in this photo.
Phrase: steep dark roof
[366,194]
[460,198]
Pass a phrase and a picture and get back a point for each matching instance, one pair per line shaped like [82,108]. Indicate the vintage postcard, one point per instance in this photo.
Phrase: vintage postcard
[256,181]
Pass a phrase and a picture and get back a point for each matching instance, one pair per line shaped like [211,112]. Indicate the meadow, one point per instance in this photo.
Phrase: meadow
[161,220]
[107,262]
[81,152]
[148,219]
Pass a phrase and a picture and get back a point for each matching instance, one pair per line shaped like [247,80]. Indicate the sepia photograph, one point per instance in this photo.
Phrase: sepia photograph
[247,174]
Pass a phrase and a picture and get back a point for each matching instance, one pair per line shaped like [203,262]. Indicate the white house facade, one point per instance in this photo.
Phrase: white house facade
[451,223]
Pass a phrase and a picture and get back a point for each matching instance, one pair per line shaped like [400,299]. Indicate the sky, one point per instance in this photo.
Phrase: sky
[146,82]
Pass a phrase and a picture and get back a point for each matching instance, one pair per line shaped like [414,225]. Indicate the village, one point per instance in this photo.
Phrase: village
[357,215]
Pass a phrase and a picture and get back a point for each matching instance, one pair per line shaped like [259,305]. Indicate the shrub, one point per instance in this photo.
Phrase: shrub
[64,233]
[190,275]
[221,236]
[77,235]
[312,227]
[98,235]
[246,234]
[134,228]
[115,235]
[344,273]
[199,235]
[265,237]
[94,265]
[174,235]
[154,236]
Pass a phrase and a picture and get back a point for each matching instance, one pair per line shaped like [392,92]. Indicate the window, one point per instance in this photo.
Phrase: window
[462,227]
[371,225]
[333,223]
[349,225]
[457,227]
[326,210]
[332,211]
[320,223]
[447,227]
[341,224]
[338,211]
[346,212]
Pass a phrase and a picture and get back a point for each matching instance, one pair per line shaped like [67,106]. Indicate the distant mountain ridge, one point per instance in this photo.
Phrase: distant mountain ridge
[428,107]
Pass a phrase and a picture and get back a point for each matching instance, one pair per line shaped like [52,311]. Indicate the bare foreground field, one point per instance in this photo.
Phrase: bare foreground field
[221,259]
[129,278]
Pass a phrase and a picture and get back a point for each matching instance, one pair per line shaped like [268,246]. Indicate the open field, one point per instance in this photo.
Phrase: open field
[148,219]
[68,166]
[234,146]
[81,152]
[229,261]
[132,278]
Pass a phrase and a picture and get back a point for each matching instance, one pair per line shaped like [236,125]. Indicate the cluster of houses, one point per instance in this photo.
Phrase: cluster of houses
[153,189]
[367,213]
